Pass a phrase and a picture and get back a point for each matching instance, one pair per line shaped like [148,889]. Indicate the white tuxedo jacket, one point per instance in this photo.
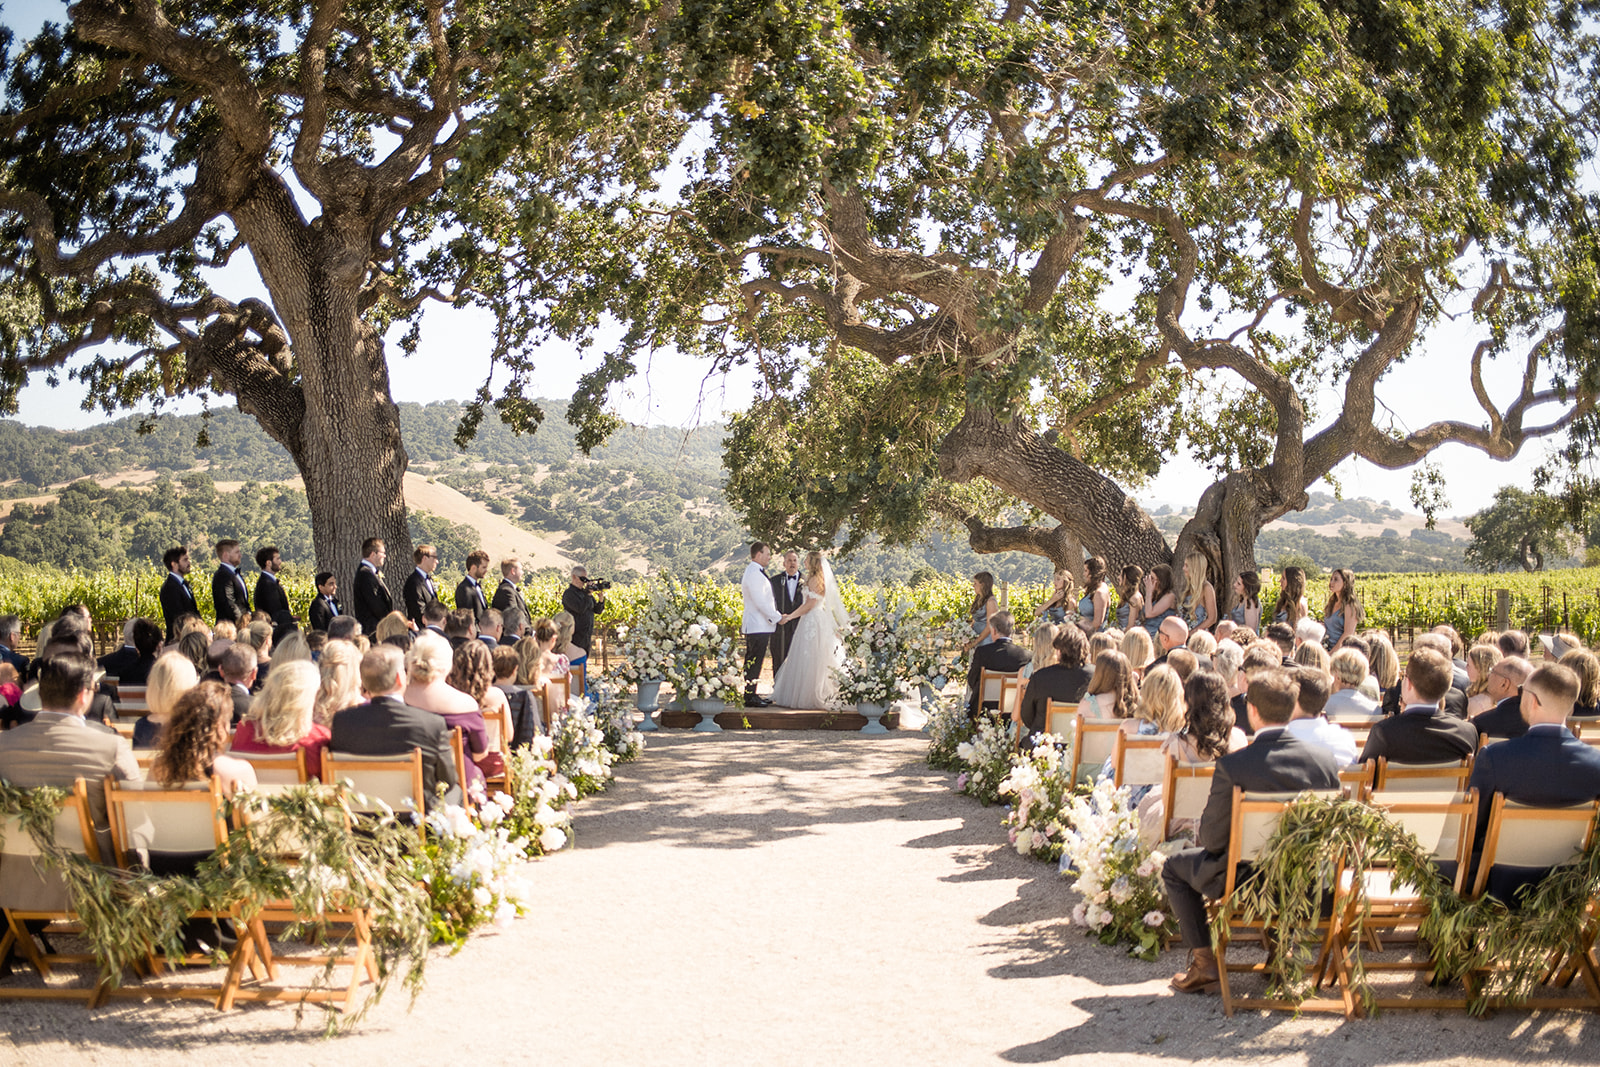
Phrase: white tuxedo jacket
[761,612]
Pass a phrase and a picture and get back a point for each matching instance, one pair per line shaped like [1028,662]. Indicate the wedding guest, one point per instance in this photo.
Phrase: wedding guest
[293,648]
[526,706]
[345,628]
[1171,634]
[194,741]
[1422,733]
[282,717]
[1480,668]
[1202,643]
[10,637]
[386,726]
[172,676]
[472,672]
[1181,661]
[1385,664]
[1208,733]
[1112,692]
[1107,641]
[1044,652]
[1137,646]
[1513,643]
[1064,681]
[113,662]
[1291,606]
[271,600]
[390,625]
[1457,659]
[1583,663]
[1455,700]
[460,626]
[576,655]
[491,628]
[144,635]
[1224,628]
[984,609]
[340,685]
[10,685]
[1247,600]
[1094,605]
[1130,600]
[370,598]
[1312,655]
[434,616]
[1158,711]
[1505,719]
[1349,669]
[238,669]
[258,635]
[1199,607]
[427,666]
[999,655]
[224,630]
[1311,724]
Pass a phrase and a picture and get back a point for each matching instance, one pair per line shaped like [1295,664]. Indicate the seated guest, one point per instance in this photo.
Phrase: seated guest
[1310,724]
[258,635]
[525,706]
[1308,631]
[1281,634]
[1260,656]
[1458,663]
[386,726]
[281,717]
[195,647]
[59,746]
[1110,641]
[998,655]
[1546,767]
[340,667]
[401,641]
[10,685]
[576,655]
[1274,762]
[1159,711]
[238,669]
[1313,656]
[171,677]
[1136,646]
[1349,668]
[427,667]
[1182,661]
[490,627]
[147,643]
[1513,643]
[1064,681]
[1044,652]
[1455,699]
[292,649]
[1584,664]
[10,638]
[460,627]
[1422,733]
[1385,663]
[472,672]
[195,740]
[344,628]
[1113,690]
[1481,660]
[391,624]
[1505,685]
[1207,734]
[434,614]
[1172,633]
[66,636]
[113,662]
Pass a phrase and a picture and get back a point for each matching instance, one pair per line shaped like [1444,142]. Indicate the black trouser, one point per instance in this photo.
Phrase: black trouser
[1179,873]
[755,650]
[782,637]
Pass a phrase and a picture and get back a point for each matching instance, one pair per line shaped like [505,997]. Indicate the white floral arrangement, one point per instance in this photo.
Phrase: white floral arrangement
[614,715]
[647,652]
[947,726]
[929,651]
[1119,876]
[1041,787]
[874,670]
[471,868]
[579,750]
[539,795]
[678,640]
[986,758]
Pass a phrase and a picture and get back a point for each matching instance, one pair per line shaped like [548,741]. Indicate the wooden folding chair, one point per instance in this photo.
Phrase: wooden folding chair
[36,888]
[1542,838]
[1357,778]
[1092,743]
[497,726]
[1185,788]
[458,751]
[577,679]
[1255,819]
[1359,728]
[991,685]
[1137,761]
[1450,777]
[156,826]
[379,781]
[276,771]
[1011,690]
[557,694]
[1059,718]
[132,702]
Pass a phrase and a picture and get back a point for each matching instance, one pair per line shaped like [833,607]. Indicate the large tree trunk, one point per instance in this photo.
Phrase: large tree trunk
[1224,529]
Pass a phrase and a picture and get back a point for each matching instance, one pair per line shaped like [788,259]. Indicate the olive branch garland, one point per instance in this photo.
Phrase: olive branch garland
[337,866]
[1507,953]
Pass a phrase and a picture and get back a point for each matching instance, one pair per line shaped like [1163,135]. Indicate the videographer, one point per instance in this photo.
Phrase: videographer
[584,599]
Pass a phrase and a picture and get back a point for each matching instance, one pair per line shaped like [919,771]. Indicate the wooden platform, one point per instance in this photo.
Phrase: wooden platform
[776,719]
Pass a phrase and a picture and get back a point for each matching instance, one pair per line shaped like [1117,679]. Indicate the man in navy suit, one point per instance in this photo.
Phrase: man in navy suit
[1275,761]
[1546,767]
[177,598]
[387,726]
[1422,733]
[998,655]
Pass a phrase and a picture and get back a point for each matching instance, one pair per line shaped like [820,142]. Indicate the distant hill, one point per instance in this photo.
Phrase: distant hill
[649,502]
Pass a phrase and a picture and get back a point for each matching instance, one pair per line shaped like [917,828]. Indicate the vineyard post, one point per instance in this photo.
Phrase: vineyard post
[1544,614]
[1005,595]
[1566,613]
[1502,609]
[1412,636]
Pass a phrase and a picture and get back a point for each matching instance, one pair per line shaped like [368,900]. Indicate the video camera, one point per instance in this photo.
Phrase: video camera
[597,585]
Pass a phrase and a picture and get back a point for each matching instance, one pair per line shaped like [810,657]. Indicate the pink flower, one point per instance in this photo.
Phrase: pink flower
[961,781]
[1154,918]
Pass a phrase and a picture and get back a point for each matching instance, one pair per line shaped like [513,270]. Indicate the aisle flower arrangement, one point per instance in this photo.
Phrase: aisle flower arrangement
[469,868]
[613,713]
[1124,901]
[947,727]
[874,670]
[986,758]
[539,795]
[647,652]
[579,750]
[1041,785]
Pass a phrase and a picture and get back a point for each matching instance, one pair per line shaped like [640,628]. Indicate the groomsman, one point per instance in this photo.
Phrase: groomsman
[229,597]
[508,601]
[372,599]
[788,590]
[270,596]
[419,584]
[326,607]
[177,598]
[469,594]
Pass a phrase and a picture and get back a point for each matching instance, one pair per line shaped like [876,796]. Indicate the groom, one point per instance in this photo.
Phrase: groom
[760,619]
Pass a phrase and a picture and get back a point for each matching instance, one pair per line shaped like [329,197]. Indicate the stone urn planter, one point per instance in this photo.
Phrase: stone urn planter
[646,700]
[708,711]
[874,715]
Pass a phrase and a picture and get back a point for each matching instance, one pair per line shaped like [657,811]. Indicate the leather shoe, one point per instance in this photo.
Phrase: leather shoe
[757,702]
[1202,975]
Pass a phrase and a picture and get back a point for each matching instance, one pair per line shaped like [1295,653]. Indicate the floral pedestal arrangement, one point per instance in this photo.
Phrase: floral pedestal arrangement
[873,713]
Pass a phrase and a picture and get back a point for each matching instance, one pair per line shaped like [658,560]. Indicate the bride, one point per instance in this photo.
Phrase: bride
[806,679]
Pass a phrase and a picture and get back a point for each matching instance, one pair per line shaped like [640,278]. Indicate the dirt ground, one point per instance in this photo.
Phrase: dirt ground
[790,898]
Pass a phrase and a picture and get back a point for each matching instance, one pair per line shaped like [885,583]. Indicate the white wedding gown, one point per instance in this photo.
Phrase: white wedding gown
[806,679]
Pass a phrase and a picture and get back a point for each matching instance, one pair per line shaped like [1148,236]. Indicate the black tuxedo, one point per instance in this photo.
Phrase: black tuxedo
[783,634]
[469,595]
[1275,762]
[1455,703]
[1545,767]
[1425,735]
[1055,682]
[371,599]
[321,614]
[415,595]
[1504,719]
[386,726]
[513,609]
[115,663]
[998,655]
[229,597]
[176,599]
[270,596]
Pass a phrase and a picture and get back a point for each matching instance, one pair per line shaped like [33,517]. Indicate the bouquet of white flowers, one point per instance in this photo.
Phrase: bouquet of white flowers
[1119,877]
[467,865]
[679,639]
[614,715]
[579,750]
[1041,783]
[874,670]
[947,726]
[986,758]
[539,792]
[925,644]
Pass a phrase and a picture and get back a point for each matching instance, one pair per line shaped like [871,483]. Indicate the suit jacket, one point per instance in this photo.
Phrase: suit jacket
[1546,767]
[1504,719]
[1421,736]
[176,599]
[1455,703]
[229,597]
[53,750]
[386,726]
[371,599]
[241,703]
[1275,762]
[419,589]
[1055,682]
[116,662]
[270,596]
[321,614]
[470,595]
[999,655]
[784,634]
[508,601]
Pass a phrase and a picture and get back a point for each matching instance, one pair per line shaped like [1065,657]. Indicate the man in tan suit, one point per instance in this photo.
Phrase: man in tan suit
[58,747]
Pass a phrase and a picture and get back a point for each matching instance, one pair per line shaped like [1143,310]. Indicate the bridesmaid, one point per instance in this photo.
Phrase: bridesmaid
[984,609]
[1247,601]
[1159,603]
[1055,609]
[1291,607]
[1096,599]
[1130,600]
[1342,615]
[1199,595]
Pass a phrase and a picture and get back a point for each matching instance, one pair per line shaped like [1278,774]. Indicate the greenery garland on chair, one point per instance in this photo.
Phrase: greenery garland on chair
[127,914]
[1506,953]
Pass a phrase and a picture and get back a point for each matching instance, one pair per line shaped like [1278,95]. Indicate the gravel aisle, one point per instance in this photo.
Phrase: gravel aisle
[790,898]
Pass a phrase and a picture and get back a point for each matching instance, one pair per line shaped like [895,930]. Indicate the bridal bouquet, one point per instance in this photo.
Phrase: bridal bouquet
[874,670]
[1041,781]
[1119,877]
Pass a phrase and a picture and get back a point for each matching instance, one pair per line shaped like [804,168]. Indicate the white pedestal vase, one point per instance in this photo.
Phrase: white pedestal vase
[647,699]
[708,710]
[874,713]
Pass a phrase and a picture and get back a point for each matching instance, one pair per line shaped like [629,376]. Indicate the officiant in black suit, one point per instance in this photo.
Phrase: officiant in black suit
[789,593]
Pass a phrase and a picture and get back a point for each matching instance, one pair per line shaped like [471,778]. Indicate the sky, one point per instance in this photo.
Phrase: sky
[675,390]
